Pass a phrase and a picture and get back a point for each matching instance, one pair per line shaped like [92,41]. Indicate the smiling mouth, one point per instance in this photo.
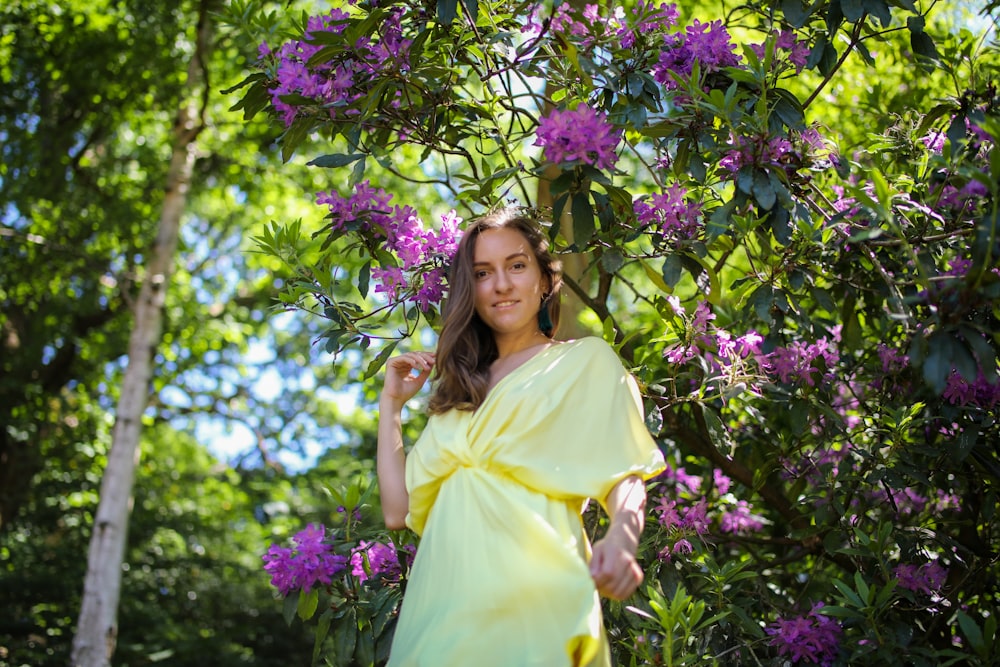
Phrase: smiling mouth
[503,304]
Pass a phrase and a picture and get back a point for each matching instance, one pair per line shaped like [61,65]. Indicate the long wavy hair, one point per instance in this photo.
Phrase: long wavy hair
[466,347]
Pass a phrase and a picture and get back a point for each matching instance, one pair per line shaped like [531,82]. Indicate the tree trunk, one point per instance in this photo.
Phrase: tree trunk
[97,626]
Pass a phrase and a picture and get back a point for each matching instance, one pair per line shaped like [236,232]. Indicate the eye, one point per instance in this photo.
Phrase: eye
[480,274]
[519,266]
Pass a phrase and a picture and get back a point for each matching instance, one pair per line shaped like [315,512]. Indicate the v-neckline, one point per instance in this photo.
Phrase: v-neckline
[517,369]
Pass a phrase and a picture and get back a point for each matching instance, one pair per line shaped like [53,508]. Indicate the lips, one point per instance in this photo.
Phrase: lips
[504,304]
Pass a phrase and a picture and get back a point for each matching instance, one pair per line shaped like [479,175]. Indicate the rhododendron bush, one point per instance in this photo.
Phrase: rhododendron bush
[799,265]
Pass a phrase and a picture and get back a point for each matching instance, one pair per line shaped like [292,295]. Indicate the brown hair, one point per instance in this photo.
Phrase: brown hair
[466,347]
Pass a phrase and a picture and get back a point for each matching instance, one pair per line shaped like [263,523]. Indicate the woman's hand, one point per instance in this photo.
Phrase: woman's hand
[613,566]
[405,374]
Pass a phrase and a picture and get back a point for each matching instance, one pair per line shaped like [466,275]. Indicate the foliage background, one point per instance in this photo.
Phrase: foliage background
[89,90]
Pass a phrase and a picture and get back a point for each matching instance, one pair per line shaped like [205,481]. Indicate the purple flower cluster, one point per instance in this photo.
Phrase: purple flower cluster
[707,43]
[422,253]
[372,559]
[761,151]
[587,26]
[928,578]
[693,518]
[311,560]
[785,41]
[580,134]
[982,393]
[812,637]
[670,214]
[332,85]
[649,19]
[740,520]
[804,363]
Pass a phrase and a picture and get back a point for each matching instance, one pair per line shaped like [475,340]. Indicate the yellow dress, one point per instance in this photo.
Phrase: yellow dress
[500,577]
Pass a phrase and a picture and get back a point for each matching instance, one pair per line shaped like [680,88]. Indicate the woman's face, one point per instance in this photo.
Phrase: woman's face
[509,282]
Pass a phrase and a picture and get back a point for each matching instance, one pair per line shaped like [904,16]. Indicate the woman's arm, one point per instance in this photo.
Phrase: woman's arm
[400,386]
[613,566]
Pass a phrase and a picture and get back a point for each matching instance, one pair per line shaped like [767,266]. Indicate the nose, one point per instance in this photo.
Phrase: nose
[503,282]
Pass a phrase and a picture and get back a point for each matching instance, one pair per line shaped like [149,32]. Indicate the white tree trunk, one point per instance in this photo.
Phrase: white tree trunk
[97,626]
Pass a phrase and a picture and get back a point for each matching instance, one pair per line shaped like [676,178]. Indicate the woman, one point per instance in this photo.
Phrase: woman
[523,429]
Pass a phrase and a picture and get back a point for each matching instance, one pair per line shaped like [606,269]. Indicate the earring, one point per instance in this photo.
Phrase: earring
[544,318]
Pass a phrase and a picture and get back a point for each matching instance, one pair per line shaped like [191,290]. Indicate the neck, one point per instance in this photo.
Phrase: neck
[514,343]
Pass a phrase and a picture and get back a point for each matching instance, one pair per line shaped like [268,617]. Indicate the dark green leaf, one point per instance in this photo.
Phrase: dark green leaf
[673,266]
[364,278]
[447,10]
[762,300]
[345,637]
[795,12]
[763,191]
[612,261]
[937,365]
[965,441]
[335,160]
[923,45]
[290,606]
[880,10]
[583,220]
[472,6]
[379,361]
[781,227]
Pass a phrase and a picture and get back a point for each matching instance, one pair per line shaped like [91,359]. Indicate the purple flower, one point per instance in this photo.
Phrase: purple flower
[740,520]
[928,578]
[666,510]
[813,637]
[982,393]
[580,134]
[382,560]
[670,214]
[722,482]
[761,151]
[798,52]
[797,362]
[708,43]
[422,252]
[300,568]
[696,517]
[649,19]
[332,85]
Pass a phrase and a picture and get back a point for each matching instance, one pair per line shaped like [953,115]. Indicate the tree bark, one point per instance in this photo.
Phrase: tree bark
[97,626]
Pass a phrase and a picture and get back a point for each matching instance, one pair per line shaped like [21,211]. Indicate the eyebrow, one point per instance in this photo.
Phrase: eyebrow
[506,259]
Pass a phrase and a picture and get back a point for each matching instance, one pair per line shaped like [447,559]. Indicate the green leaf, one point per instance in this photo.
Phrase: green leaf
[612,261]
[673,267]
[379,361]
[971,630]
[289,607]
[364,278]
[718,222]
[849,593]
[795,12]
[472,6]
[447,10]
[656,278]
[718,432]
[335,160]
[308,602]
[322,629]
[345,637]
[583,220]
